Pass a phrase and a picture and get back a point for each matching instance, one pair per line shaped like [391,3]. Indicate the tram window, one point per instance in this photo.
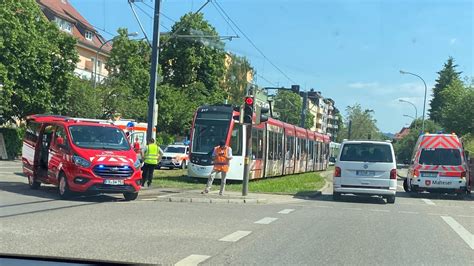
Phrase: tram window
[311,143]
[260,144]
[254,143]
[270,145]
[236,140]
[279,146]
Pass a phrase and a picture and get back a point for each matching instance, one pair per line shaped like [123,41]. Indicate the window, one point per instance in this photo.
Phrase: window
[366,152]
[236,140]
[99,137]
[172,149]
[207,134]
[290,143]
[89,35]
[32,131]
[60,133]
[257,144]
[440,157]
[63,25]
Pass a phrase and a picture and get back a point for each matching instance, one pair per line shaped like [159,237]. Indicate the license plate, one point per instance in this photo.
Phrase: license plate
[114,182]
[429,174]
[365,173]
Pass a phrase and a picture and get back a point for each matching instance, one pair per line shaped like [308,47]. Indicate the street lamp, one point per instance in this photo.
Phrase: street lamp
[424,100]
[133,34]
[414,106]
[414,119]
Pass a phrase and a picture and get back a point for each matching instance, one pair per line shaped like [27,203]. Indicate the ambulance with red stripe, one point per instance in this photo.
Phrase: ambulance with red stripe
[439,164]
[79,156]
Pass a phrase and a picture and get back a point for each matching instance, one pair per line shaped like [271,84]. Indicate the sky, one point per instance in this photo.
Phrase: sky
[349,50]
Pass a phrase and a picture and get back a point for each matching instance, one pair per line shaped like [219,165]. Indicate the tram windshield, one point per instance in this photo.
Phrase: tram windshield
[208,133]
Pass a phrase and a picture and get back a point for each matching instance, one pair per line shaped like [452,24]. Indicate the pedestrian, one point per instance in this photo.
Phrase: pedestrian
[150,158]
[221,155]
[136,148]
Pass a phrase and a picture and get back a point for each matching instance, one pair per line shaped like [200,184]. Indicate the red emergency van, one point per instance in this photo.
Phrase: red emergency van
[439,164]
[80,156]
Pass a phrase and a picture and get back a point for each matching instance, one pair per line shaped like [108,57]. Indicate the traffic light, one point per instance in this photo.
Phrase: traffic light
[295,89]
[248,110]
[261,114]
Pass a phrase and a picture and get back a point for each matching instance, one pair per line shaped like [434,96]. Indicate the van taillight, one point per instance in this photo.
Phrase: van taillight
[393,174]
[337,172]
[463,174]
[416,173]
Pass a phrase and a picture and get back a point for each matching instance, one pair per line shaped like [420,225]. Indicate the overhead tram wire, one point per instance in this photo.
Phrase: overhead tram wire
[130,2]
[267,80]
[225,19]
[253,44]
[151,17]
[161,13]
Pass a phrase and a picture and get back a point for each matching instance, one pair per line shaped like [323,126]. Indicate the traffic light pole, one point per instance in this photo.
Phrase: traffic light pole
[247,159]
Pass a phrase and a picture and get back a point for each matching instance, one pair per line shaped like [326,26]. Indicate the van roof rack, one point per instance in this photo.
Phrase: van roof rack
[91,120]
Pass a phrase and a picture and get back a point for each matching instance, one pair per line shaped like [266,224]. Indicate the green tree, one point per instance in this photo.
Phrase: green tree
[127,88]
[446,76]
[457,115]
[84,100]
[236,78]
[36,62]
[363,124]
[186,60]
[288,106]
[404,147]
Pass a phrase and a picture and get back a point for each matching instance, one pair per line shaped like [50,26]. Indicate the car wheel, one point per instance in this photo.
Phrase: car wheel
[391,199]
[33,183]
[63,189]
[130,196]
[184,165]
[336,196]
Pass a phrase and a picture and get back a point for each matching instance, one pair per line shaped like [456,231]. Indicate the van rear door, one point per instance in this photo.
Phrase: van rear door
[30,146]
[366,164]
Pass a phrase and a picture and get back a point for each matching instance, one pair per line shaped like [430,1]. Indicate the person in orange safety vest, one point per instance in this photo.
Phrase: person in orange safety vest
[221,156]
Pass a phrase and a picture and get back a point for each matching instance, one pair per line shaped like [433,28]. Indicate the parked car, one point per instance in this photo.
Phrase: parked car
[366,168]
[79,156]
[175,156]
[439,164]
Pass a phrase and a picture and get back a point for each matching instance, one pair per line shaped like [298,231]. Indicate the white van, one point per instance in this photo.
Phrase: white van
[366,168]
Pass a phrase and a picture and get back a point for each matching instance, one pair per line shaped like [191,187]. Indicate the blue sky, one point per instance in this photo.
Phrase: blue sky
[349,50]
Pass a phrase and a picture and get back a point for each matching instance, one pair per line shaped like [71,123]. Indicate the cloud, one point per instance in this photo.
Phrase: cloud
[362,85]
[453,41]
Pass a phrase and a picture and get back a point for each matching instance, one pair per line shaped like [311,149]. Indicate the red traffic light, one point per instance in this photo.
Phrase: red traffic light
[249,100]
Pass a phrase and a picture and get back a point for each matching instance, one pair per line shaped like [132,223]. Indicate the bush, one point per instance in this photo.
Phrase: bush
[13,141]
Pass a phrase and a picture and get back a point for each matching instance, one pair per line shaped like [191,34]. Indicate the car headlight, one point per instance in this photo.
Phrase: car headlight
[79,161]
[136,164]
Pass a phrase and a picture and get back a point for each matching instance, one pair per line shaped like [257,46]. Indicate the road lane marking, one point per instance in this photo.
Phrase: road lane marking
[235,236]
[460,230]
[353,209]
[428,201]
[408,212]
[266,220]
[375,210]
[149,199]
[436,214]
[286,211]
[192,260]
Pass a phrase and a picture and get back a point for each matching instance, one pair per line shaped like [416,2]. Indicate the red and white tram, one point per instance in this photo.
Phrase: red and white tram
[278,148]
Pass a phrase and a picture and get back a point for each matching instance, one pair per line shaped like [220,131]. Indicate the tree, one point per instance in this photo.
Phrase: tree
[363,124]
[458,115]
[187,60]
[446,76]
[404,147]
[36,62]
[288,105]
[127,88]
[84,100]
[236,78]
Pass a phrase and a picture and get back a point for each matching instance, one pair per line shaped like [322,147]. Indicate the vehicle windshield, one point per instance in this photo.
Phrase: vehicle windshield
[366,152]
[208,133]
[99,137]
[175,149]
[440,157]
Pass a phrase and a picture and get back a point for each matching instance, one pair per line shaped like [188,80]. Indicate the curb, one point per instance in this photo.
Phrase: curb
[211,200]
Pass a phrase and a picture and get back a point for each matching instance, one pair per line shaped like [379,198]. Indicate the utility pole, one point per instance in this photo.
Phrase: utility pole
[303,109]
[154,72]
[248,155]
[349,131]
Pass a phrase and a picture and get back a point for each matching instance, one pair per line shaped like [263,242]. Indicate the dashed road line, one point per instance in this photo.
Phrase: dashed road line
[286,211]
[408,212]
[460,230]
[235,236]
[266,220]
[149,199]
[435,214]
[428,201]
[376,210]
[192,260]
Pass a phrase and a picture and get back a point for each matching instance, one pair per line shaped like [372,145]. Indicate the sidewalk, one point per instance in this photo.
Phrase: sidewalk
[233,197]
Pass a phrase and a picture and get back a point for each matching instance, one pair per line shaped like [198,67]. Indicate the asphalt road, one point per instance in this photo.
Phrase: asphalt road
[429,229]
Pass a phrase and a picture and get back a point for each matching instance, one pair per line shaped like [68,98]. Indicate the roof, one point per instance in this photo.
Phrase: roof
[403,132]
[64,10]
[65,120]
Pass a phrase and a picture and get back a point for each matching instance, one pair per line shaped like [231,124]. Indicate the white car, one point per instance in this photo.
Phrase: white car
[366,168]
[174,156]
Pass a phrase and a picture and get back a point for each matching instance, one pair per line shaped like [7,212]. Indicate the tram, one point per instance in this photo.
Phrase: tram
[278,148]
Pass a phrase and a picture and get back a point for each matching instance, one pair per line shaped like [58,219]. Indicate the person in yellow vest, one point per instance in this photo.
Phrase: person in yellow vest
[221,156]
[150,158]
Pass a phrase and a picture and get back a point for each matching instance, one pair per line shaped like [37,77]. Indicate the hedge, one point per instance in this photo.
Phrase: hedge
[13,141]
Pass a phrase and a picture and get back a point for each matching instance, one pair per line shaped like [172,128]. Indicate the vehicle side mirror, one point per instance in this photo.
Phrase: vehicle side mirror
[60,141]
